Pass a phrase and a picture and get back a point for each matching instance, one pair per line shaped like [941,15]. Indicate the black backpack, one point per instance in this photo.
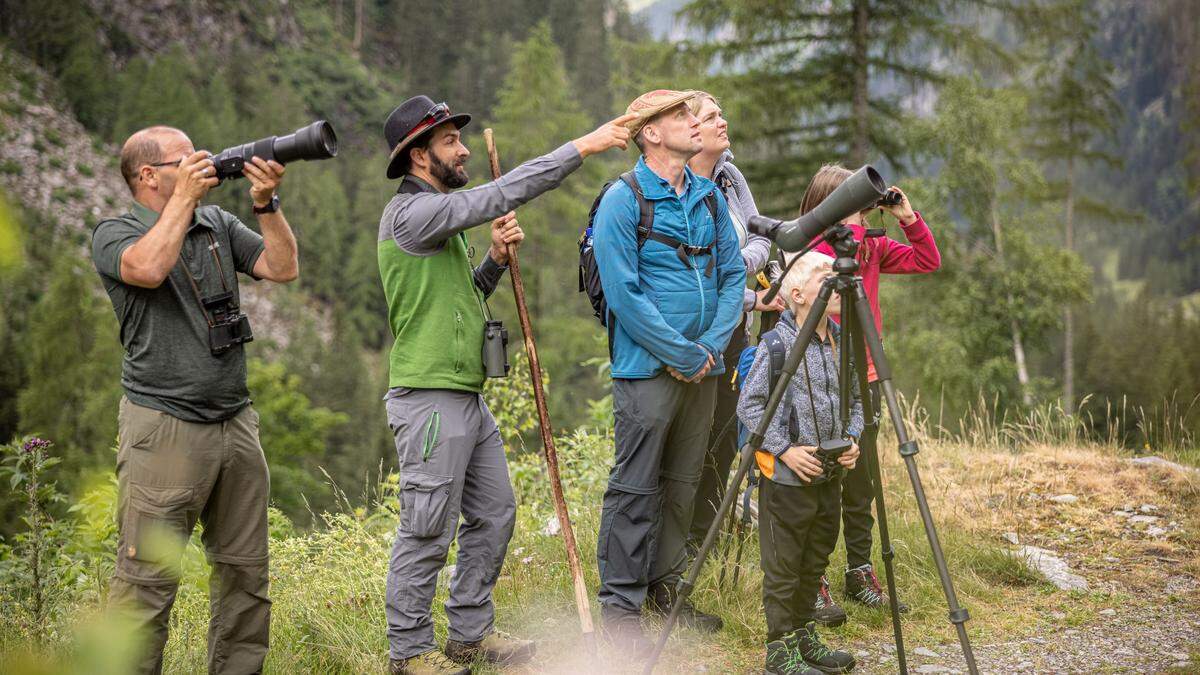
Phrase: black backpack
[589,271]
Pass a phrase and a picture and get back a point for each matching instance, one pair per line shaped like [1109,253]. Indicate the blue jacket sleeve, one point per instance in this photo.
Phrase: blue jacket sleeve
[615,242]
[731,278]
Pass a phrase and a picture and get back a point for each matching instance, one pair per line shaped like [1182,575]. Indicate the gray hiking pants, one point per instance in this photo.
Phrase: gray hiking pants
[661,435]
[451,463]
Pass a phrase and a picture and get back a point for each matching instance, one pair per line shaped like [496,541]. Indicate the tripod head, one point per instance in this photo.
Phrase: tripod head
[841,238]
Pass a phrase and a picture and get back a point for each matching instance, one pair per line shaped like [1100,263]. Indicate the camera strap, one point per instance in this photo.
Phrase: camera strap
[483,303]
[808,383]
[212,248]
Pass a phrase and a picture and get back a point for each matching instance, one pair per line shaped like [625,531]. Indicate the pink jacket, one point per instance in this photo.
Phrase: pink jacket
[884,255]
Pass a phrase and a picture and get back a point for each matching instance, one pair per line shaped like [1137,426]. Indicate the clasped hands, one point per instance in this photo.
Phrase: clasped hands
[700,374]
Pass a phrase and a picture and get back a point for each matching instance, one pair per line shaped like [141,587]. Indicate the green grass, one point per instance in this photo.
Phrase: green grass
[327,583]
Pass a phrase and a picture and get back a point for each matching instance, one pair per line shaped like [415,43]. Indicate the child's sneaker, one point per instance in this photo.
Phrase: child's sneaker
[862,586]
[826,612]
[782,659]
[816,654]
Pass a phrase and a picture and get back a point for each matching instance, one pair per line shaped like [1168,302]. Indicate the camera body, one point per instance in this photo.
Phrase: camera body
[229,326]
[829,451]
[495,349]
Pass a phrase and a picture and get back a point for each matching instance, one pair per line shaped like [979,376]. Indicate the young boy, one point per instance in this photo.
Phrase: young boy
[799,504]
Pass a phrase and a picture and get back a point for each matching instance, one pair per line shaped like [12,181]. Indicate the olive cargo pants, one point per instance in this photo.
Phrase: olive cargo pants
[172,473]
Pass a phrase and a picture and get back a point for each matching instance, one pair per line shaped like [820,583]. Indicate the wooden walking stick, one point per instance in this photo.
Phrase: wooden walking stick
[539,397]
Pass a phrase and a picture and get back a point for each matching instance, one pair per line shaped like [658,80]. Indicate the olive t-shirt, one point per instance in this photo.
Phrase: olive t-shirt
[168,365]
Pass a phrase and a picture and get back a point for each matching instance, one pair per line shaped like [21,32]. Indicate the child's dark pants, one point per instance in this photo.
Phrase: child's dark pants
[798,531]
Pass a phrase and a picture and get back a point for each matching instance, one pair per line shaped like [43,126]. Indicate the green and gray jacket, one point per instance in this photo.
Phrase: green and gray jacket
[435,298]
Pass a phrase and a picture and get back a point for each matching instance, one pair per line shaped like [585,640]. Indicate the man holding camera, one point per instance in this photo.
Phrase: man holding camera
[451,455]
[188,439]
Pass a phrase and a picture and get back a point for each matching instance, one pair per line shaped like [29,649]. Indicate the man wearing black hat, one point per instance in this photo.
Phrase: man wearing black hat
[451,454]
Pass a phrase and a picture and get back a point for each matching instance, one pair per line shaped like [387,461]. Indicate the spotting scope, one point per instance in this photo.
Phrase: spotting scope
[861,191]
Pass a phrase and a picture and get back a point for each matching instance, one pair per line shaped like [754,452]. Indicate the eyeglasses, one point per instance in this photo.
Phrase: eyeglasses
[175,163]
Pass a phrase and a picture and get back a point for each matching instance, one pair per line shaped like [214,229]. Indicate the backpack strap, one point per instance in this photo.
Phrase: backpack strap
[777,354]
[645,228]
[710,200]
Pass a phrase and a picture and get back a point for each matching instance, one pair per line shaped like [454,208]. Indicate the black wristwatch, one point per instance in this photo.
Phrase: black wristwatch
[271,206]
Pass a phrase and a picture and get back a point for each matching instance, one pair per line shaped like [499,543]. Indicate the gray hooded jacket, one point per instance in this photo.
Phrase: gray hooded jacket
[755,248]
[821,380]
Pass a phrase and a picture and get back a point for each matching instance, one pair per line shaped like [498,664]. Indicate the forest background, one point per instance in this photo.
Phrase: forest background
[1051,145]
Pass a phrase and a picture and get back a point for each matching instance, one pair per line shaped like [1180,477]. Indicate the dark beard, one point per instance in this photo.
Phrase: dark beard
[449,176]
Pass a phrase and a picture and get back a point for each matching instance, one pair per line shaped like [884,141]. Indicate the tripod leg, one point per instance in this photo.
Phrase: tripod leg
[741,529]
[908,449]
[730,533]
[871,457]
[688,582]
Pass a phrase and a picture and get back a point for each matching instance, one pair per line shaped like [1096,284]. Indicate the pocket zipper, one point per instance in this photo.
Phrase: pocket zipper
[432,427]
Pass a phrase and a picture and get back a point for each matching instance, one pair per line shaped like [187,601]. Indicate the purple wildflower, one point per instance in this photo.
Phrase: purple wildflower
[35,444]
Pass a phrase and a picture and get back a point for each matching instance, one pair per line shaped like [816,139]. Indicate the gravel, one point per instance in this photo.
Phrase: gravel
[1133,640]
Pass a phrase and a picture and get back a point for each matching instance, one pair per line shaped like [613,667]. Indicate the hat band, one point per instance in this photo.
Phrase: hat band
[439,113]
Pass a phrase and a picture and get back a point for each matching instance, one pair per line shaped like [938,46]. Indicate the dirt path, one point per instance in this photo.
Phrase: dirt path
[1141,639]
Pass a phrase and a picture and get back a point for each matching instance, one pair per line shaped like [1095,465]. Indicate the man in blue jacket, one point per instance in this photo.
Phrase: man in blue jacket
[674,298]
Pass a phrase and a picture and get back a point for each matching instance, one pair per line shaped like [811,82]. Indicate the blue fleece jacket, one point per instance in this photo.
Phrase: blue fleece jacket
[661,311]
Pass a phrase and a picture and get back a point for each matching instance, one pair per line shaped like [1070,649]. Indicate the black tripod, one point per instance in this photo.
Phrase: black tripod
[858,336]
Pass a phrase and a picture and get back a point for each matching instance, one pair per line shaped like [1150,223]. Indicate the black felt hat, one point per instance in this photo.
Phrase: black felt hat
[410,121]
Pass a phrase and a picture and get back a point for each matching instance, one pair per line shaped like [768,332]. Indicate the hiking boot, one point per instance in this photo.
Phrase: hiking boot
[826,612]
[815,653]
[784,660]
[622,630]
[496,647]
[432,662]
[862,586]
[661,599]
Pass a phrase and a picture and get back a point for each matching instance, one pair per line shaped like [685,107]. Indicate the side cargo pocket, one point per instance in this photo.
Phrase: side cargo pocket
[154,534]
[424,499]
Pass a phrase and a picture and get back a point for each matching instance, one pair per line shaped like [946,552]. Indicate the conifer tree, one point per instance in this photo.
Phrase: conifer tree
[73,364]
[537,106]
[816,81]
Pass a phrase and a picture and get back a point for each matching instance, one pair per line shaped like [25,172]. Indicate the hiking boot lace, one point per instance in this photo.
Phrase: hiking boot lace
[874,581]
[818,650]
[870,591]
[795,660]
[437,659]
[824,599]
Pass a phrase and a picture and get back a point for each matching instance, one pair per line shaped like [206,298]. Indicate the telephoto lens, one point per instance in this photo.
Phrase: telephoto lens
[315,141]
